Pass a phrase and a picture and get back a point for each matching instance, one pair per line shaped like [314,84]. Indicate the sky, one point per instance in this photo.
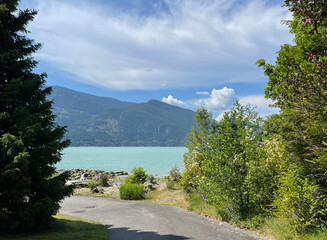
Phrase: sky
[188,53]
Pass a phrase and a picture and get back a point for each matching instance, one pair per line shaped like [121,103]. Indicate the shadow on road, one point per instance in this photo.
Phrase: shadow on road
[127,234]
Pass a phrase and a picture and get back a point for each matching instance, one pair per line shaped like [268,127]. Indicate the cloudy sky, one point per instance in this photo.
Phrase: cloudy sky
[189,53]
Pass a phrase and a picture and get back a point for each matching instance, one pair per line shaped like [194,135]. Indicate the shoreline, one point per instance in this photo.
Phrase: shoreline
[91,174]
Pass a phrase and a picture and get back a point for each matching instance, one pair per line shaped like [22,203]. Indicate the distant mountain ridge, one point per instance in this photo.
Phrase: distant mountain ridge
[103,121]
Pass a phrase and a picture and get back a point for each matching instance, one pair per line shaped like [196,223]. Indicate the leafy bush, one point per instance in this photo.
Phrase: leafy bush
[197,148]
[191,172]
[175,174]
[104,180]
[92,184]
[230,155]
[138,176]
[298,202]
[130,191]
[170,183]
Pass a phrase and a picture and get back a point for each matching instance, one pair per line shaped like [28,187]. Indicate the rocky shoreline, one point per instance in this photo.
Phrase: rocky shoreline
[82,177]
[87,174]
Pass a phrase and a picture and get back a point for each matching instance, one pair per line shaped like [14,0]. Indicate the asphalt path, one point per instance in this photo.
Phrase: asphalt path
[134,220]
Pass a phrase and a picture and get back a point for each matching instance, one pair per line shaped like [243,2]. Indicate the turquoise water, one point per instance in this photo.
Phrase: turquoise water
[156,160]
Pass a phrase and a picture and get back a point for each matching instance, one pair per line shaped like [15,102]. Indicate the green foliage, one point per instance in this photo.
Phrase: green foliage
[198,204]
[92,184]
[297,82]
[298,202]
[281,230]
[104,180]
[197,147]
[175,174]
[130,191]
[223,162]
[30,141]
[170,183]
[234,150]
[138,176]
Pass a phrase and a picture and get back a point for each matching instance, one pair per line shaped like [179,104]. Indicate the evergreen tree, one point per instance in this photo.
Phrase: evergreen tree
[30,141]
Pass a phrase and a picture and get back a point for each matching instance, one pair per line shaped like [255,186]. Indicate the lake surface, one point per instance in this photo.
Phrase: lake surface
[156,160]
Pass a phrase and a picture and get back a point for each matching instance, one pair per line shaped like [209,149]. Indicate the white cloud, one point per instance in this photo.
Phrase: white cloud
[202,93]
[172,101]
[196,43]
[257,100]
[261,103]
[218,100]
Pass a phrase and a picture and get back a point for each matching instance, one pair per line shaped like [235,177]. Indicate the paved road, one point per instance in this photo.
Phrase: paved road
[133,220]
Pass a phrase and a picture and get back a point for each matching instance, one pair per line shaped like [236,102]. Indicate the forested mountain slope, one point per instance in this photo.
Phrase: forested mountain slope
[103,121]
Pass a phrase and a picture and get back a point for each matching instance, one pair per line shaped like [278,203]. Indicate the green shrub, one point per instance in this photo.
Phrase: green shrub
[170,183]
[231,154]
[92,184]
[138,176]
[104,180]
[175,174]
[130,191]
[190,177]
[299,203]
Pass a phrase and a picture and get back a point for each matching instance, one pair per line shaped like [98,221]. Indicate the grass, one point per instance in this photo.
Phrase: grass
[278,230]
[171,197]
[199,206]
[65,228]
[109,193]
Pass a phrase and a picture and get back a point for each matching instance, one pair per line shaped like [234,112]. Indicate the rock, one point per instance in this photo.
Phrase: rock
[121,173]
[117,184]
[148,187]
[94,190]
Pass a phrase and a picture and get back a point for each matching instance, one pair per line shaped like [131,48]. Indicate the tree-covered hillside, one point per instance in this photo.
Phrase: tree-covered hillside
[102,121]
[71,106]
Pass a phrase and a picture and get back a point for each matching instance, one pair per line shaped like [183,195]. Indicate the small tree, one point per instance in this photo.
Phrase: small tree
[138,176]
[198,149]
[232,151]
[30,141]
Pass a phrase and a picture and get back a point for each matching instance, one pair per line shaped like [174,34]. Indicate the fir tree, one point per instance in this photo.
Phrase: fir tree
[30,141]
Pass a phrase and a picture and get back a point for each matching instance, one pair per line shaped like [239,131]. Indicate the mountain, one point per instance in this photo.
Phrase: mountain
[71,106]
[103,121]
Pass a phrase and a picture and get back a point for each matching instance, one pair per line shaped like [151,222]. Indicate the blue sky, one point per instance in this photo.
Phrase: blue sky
[188,53]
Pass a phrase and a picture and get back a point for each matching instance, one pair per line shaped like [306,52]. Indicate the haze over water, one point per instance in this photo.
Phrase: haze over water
[156,160]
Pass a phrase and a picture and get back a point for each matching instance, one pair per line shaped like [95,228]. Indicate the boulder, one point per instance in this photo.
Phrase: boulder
[148,187]
[94,190]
